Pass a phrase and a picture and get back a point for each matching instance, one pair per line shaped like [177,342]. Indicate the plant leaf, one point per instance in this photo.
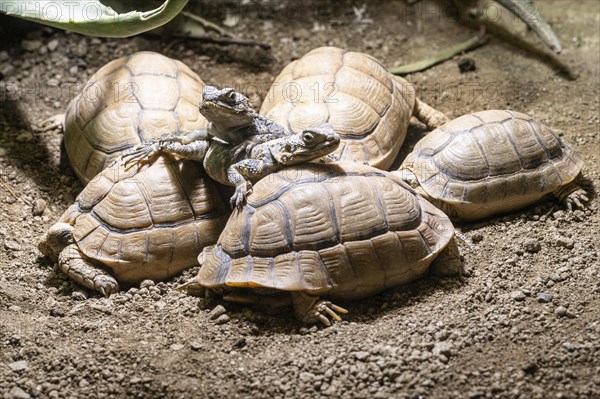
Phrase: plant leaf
[91,17]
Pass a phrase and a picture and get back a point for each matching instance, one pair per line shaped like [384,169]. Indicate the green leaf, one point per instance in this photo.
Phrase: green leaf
[91,17]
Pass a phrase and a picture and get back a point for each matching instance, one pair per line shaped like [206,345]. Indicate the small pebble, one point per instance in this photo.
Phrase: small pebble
[518,296]
[39,206]
[223,319]
[467,65]
[177,347]
[19,365]
[30,45]
[568,346]
[52,45]
[147,284]
[18,393]
[216,312]
[12,245]
[545,297]
[560,311]
[79,295]
[361,356]
[565,242]
[532,245]
[477,238]
[195,345]
[55,312]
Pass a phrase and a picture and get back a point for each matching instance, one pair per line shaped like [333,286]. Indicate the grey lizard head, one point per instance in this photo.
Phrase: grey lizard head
[226,108]
[311,144]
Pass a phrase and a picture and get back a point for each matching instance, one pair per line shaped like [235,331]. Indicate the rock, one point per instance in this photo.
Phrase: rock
[12,245]
[361,356]
[568,346]
[442,348]
[216,312]
[6,70]
[39,206]
[30,45]
[223,319]
[518,296]
[565,242]
[83,383]
[147,284]
[52,45]
[3,56]
[560,311]
[545,297]
[18,393]
[196,346]
[177,347]
[477,238]
[530,367]
[56,312]
[532,245]
[79,295]
[19,365]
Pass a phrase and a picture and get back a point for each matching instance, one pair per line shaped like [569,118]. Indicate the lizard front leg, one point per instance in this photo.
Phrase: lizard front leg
[194,150]
[240,174]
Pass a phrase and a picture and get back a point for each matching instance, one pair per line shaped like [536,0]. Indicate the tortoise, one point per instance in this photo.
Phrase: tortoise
[337,230]
[492,162]
[132,224]
[367,106]
[129,100]
[231,166]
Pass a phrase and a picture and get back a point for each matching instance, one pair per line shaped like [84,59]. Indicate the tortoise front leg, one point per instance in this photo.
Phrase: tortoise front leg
[54,122]
[312,309]
[75,265]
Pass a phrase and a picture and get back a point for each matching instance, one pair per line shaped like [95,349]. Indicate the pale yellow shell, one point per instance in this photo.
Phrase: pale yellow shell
[491,162]
[129,100]
[368,107]
[149,223]
[342,230]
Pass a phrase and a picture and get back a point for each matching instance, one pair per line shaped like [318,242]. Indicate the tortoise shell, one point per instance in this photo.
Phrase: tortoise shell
[368,107]
[130,100]
[149,223]
[341,230]
[491,162]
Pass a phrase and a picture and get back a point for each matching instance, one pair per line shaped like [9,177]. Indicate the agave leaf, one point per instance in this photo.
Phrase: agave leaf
[527,12]
[92,17]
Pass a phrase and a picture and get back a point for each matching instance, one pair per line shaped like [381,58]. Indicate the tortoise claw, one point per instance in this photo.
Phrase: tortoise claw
[576,199]
[325,312]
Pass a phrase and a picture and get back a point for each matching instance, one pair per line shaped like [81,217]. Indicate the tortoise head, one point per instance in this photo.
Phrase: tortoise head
[226,108]
[312,143]
[58,237]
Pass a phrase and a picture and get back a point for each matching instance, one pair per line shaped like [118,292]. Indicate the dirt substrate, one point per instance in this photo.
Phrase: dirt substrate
[524,323]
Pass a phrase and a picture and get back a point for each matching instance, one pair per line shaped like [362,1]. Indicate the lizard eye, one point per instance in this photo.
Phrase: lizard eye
[308,137]
[288,147]
[232,96]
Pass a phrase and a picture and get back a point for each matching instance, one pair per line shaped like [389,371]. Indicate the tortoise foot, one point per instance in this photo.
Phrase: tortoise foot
[572,196]
[79,268]
[311,310]
[55,122]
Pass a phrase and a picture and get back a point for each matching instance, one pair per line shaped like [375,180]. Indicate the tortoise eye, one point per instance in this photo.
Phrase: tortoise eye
[308,137]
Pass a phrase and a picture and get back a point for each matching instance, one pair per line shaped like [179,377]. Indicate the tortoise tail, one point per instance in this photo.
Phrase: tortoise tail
[431,117]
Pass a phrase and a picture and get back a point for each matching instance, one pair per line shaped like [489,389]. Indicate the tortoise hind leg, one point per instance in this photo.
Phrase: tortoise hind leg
[572,194]
[431,117]
[75,265]
[448,262]
[312,309]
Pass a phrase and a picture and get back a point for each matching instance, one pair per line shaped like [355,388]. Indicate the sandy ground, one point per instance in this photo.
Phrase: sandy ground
[524,323]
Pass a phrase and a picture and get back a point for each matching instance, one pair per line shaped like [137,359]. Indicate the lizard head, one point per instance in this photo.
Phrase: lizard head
[310,144]
[226,108]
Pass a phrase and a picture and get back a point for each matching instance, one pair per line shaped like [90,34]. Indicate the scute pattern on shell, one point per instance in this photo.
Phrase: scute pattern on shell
[127,101]
[492,161]
[148,223]
[342,230]
[369,108]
